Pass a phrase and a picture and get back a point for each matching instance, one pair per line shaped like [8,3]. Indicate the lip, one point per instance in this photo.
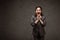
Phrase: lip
[38,13]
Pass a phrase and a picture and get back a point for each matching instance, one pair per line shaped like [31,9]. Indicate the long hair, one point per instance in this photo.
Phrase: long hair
[40,8]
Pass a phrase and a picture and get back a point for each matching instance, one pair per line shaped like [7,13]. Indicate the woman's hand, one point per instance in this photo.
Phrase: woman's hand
[38,18]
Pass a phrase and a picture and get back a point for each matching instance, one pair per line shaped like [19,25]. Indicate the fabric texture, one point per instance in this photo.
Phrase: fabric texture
[38,29]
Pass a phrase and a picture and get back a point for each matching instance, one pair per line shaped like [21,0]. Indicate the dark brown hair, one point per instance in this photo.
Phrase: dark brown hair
[40,8]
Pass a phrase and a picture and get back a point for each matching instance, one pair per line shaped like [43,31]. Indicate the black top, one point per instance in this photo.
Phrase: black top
[38,27]
[33,18]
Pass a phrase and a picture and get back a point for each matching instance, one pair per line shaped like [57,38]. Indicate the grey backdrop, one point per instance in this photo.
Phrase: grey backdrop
[15,18]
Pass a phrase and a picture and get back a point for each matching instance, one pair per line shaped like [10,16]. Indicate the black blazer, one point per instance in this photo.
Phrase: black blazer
[38,27]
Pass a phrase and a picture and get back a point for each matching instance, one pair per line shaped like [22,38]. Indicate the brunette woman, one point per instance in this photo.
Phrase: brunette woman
[38,22]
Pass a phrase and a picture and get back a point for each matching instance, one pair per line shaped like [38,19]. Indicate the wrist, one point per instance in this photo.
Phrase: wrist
[36,21]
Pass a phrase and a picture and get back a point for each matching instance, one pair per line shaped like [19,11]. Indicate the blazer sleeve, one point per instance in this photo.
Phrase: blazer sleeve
[32,21]
[44,21]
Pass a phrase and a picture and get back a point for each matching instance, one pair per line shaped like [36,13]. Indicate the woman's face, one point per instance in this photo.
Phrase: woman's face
[38,10]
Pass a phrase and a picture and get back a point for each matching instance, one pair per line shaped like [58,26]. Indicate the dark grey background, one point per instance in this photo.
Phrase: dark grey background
[15,18]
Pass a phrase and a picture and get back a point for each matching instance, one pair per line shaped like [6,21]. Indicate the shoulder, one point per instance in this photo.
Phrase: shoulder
[43,17]
[32,16]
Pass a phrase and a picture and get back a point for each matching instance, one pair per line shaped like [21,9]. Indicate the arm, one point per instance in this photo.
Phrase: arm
[43,21]
[33,21]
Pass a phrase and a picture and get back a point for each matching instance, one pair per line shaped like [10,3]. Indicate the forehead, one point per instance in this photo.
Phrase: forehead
[38,8]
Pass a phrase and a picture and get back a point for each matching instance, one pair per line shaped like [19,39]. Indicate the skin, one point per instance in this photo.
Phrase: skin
[38,12]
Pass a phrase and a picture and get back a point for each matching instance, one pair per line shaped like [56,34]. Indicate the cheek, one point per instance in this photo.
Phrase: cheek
[40,11]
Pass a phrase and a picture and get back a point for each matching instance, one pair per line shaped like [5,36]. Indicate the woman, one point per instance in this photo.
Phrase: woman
[38,22]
